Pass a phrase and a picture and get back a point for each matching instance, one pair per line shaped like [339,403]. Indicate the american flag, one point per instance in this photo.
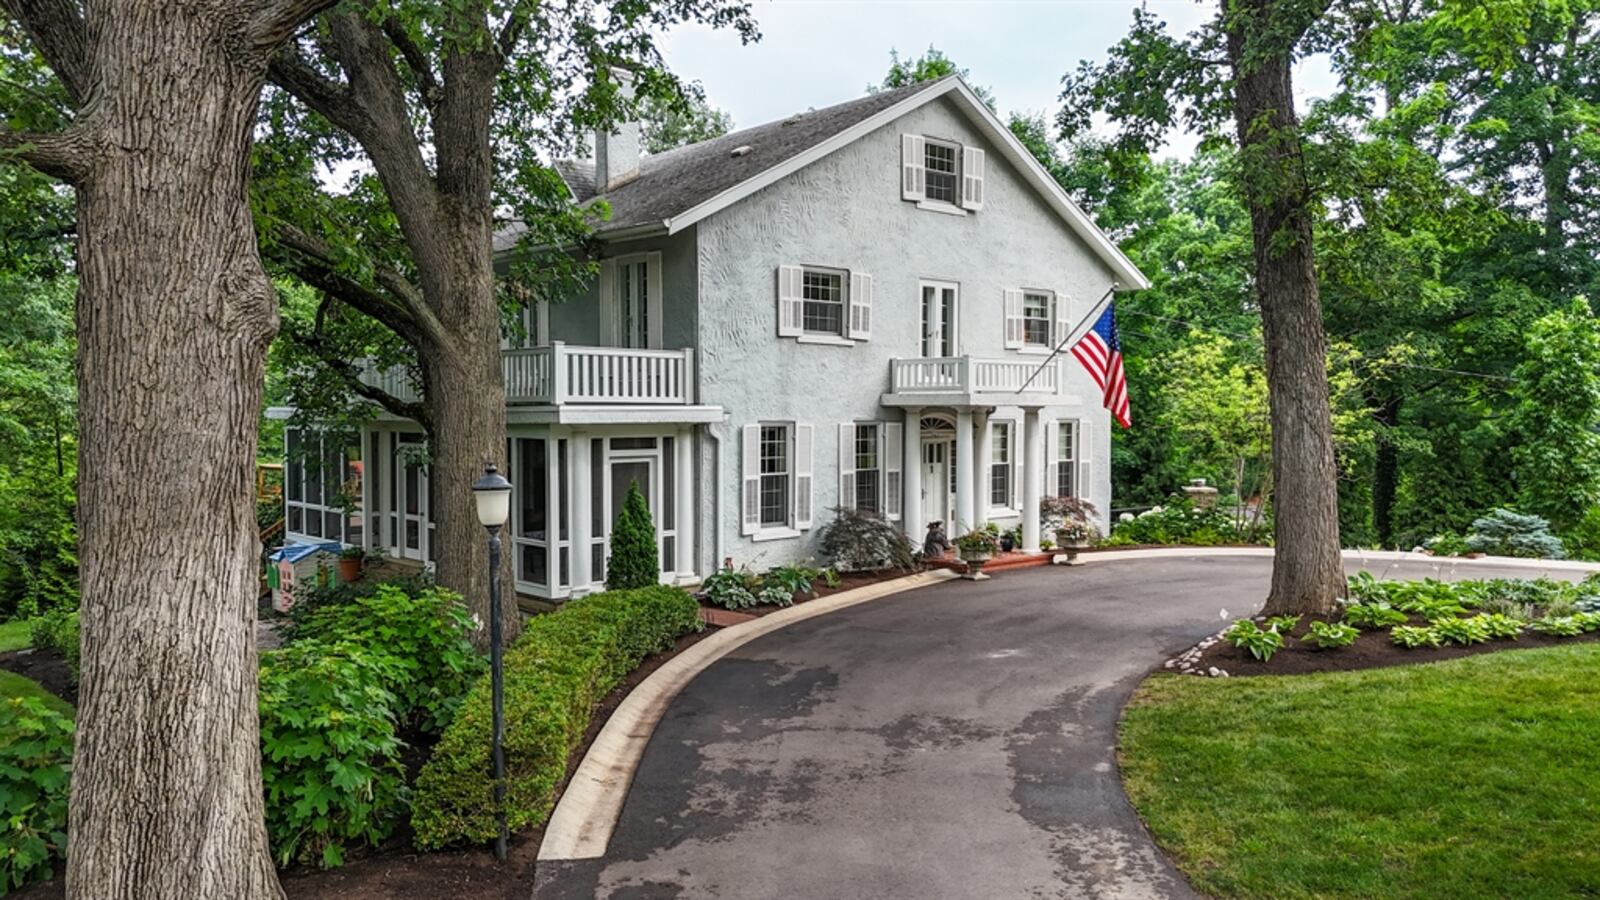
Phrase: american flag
[1101,353]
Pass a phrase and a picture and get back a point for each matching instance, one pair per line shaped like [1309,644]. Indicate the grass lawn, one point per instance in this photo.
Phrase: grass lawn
[1478,777]
[13,635]
[14,685]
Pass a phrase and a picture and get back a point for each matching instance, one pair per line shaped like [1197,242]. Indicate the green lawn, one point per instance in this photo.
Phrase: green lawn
[1478,777]
[14,685]
[13,635]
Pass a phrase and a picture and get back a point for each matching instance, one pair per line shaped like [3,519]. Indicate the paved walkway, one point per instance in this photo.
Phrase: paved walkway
[952,742]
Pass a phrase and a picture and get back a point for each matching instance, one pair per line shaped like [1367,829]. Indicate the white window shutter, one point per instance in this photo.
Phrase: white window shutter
[1014,320]
[847,465]
[803,467]
[652,314]
[913,167]
[608,304]
[1080,446]
[1052,457]
[971,178]
[893,447]
[1063,311]
[860,327]
[751,473]
[791,304]
[1017,455]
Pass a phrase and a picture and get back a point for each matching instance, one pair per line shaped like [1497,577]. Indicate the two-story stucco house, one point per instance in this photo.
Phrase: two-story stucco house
[837,309]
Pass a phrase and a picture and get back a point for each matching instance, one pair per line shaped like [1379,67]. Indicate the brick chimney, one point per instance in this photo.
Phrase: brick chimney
[616,153]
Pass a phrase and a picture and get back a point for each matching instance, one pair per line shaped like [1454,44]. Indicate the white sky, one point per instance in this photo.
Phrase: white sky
[816,53]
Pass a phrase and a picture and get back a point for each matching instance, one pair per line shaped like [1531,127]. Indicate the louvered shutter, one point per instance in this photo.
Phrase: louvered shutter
[913,167]
[1052,457]
[860,327]
[803,467]
[652,284]
[1018,454]
[1080,446]
[1013,320]
[893,448]
[608,304]
[971,178]
[847,465]
[751,473]
[791,301]
[1063,311]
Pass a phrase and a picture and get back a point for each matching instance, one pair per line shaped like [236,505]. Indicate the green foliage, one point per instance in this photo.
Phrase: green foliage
[1501,626]
[1505,533]
[426,635]
[731,588]
[1372,616]
[35,774]
[669,123]
[1447,544]
[1181,522]
[634,561]
[311,598]
[562,665]
[1412,637]
[57,632]
[930,66]
[793,578]
[1557,626]
[1262,643]
[859,541]
[1283,624]
[1473,630]
[1330,635]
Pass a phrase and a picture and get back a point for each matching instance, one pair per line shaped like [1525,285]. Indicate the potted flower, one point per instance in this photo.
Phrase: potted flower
[350,560]
[977,547]
[1069,518]
[1072,537]
[1011,538]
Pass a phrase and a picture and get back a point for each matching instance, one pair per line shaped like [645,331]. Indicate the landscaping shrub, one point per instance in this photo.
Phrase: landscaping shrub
[57,631]
[634,562]
[1181,522]
[330,760]
[857,541]
[1330,636]
[35,772]
[426,635]
[1447,544]
[1461,631]
[1373,615]
[1262,643]
[1506,533]
[731,588]
[1283,624]
[312,597]
[1412,637]
[563,664]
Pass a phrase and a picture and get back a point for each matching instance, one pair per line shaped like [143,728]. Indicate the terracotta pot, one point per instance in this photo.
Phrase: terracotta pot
[349,569]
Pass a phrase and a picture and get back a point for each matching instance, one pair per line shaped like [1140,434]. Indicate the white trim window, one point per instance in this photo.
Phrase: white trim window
[1067,468]
[777,476]
[818,304]
[776,492]
[868,470]
[1000,465]
[942,162]
[1038,318]
[940,174]
[322,490]
[822,301]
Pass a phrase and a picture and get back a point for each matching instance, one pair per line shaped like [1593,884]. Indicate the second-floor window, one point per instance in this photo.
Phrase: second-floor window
[1037,317]
[633,304]
[822,305]
[630,301]
[823,309]
[944,173]
[941,174]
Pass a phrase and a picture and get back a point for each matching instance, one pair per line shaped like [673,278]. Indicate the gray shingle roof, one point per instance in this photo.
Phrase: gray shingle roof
[676,181]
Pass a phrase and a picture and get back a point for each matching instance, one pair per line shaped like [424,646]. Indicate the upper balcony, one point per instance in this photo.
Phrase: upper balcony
[970,381]
[562,375]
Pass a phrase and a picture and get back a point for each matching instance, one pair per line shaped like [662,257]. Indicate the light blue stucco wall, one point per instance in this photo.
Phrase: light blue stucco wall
[576,319]
[846,211]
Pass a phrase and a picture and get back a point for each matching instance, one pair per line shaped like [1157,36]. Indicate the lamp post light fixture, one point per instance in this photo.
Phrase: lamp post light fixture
[492,493]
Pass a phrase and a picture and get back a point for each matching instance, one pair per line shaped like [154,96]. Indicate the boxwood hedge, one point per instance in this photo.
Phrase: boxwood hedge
[559,669]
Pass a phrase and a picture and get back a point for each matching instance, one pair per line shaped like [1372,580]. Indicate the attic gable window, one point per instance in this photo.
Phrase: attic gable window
[943,175]
[940,174]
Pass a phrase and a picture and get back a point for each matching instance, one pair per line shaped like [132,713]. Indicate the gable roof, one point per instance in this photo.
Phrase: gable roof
[680,187]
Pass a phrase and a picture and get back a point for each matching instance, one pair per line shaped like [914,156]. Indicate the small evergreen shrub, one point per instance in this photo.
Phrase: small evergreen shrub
[860,541]
[35,774]
[634,562]
[330,760]
[563,664]
[1506,533]
[1447,544]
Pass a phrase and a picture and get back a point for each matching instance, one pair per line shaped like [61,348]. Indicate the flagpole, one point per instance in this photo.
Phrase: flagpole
[1071,337]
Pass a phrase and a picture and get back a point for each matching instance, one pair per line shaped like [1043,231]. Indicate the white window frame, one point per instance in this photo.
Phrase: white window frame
[968,165]
[929,202]
[321,507]
[953,339]
[799,442]
[855,289]
[843,277]
[1048,323]
[611,299]
[1009,462]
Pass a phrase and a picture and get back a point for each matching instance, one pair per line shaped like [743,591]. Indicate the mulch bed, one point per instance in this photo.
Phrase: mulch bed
[847,581]
[396,871]
[47,667]
[1372,650]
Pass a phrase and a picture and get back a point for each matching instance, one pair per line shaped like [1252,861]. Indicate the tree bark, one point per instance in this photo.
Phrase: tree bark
[1307,573]
[174,315]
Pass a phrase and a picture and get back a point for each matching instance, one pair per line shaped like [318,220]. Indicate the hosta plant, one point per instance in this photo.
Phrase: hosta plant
[1588,621]
[731,588]
[1374,615]
[1462,631]
[1330,635]
[1437,610]
[1247,635]
[1411,636]
[1283,624]
[1501,626]
[1366,588]
[1558,626]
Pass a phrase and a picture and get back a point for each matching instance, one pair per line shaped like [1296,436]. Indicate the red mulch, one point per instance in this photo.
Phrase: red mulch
[395,871]
[1372,650]
[47,667]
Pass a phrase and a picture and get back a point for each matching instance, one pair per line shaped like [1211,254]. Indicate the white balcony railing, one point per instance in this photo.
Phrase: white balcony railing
[563,374]
[967,375]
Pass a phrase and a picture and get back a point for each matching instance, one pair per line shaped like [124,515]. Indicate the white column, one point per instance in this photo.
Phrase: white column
[911,478]
[982,459]
[683,503]
[385,505]
[581,476]
[1032,476]
[964,488]
[553,513]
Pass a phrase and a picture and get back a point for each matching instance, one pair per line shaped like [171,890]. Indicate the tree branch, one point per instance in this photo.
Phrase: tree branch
[399,305]
[416,61]
[274,21]
[56,28]
[326,97]
[63,154]
[350,373]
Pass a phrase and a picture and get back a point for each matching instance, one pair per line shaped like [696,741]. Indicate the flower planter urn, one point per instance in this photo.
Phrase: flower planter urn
[975,560]
[1069,545]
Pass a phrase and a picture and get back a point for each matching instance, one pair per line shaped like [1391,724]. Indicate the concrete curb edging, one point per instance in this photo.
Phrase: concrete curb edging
[1440,562]
[581,825]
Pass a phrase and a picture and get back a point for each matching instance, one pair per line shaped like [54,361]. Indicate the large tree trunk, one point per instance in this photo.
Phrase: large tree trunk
[174,317]
[1307,574]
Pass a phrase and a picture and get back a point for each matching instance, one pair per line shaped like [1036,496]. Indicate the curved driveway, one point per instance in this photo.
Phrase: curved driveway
[951,742]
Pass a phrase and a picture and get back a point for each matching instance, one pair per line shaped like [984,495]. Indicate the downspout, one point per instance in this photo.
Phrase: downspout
[716,494]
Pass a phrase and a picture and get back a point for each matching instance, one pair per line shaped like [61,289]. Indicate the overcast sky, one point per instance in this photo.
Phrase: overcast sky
[816,53]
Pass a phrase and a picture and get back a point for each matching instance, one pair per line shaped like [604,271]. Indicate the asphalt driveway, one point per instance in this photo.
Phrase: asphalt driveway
[951,742]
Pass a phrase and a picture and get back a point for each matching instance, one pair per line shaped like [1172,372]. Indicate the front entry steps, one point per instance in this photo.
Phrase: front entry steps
[1002,562]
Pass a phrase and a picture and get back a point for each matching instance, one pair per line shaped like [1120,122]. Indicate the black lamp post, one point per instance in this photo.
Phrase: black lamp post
[492,493]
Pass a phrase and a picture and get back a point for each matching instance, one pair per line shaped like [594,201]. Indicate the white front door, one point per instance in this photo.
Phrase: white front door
[936,504]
